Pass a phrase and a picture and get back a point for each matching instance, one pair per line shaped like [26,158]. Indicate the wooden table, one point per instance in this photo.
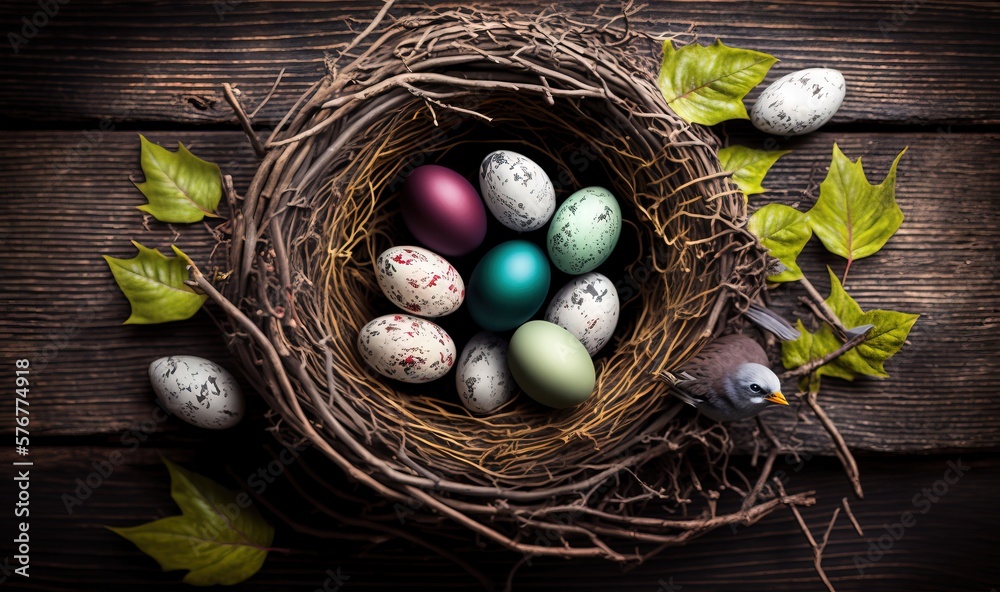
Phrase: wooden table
[920,74]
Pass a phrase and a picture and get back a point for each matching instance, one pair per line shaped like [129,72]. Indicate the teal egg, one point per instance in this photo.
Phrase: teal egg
[508,286]
[551,365]
[584,230]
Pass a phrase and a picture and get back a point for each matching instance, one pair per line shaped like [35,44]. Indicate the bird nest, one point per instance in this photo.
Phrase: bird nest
[437,86]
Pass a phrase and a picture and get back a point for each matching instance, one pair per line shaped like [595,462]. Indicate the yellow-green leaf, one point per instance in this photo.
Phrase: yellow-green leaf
[706,85]
[220,537]
[883,341]
[783,230]
[154,285]
[749,166]
[852,217]
[813,346]
[180,186]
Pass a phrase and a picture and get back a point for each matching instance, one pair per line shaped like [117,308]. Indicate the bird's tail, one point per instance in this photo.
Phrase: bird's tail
[771,321]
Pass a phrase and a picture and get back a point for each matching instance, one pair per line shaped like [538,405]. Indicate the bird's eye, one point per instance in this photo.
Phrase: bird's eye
[755,388]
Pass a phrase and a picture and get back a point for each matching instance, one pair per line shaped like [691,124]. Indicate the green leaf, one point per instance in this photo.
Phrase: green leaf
[154,285]
[848,310]
[180,186]
[813,346]
[867,358]
[749,166]
[783,230]
[887,338]
[220,537]
[706,85]
[852,217]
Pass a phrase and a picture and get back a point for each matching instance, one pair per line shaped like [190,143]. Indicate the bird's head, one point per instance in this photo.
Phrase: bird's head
[757,385]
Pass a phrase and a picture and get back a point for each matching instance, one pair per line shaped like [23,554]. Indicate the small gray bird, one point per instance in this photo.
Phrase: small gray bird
[728,380]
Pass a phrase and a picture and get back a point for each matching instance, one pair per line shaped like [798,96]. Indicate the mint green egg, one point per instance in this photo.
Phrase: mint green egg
[584,230]
[551,365]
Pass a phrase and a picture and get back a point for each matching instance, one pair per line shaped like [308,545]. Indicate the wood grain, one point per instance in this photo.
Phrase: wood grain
[59,298]
[946,549]
[910,62]
[100,67]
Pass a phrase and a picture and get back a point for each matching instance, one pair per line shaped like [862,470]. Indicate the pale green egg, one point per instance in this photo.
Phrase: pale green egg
[551,365]
[584,230]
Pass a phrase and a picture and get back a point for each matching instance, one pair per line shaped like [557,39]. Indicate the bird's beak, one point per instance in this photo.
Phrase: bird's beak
[777,398]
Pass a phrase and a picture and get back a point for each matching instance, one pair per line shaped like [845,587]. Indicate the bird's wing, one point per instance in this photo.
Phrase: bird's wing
[697,379]
[694,392]
[701,377]
[729,351]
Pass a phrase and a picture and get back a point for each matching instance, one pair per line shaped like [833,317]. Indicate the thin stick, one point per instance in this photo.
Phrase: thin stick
[816,549]
[831,317]
[850,514]
[230,192]
[765,473]
[269,94]
[829,529]
[371,27]
[509,584]
[241,115]
[843,452]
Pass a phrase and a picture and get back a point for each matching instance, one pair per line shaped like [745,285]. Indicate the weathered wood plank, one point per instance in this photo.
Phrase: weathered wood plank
[905,62]
[947,547]
[58,296]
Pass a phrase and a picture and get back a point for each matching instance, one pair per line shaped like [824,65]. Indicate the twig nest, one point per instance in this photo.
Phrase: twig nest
[447,88]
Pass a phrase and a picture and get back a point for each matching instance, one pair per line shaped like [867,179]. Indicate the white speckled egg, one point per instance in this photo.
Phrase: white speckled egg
[419,281]
[516,190]
[588,308]
[584,230]
[800,102]
[406,348]
[482,376]
[198,391]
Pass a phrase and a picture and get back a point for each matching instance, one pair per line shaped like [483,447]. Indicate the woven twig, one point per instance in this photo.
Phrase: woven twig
[573,483]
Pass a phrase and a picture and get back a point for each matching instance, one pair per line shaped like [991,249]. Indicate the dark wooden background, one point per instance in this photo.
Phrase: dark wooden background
[920,74]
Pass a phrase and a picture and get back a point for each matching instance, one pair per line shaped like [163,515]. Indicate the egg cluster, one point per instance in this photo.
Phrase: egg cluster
[550,359]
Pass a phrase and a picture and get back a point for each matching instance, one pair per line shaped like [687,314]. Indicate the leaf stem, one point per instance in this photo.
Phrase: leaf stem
[847,270]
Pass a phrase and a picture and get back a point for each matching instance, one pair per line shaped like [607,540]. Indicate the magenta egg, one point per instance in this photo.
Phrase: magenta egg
[443,210]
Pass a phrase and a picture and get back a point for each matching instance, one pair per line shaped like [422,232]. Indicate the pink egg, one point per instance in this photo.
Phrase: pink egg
[443,210]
